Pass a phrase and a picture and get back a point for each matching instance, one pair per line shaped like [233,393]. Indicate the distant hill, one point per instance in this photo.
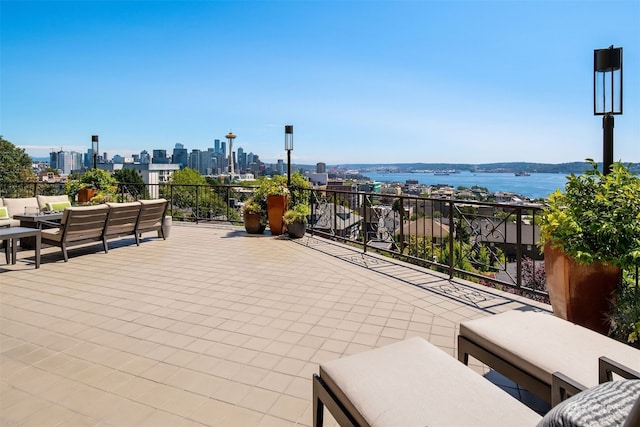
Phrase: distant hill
[567,168]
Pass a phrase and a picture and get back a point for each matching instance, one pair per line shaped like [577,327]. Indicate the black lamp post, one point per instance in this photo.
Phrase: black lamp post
[94,149]
[607,95]
[288,145]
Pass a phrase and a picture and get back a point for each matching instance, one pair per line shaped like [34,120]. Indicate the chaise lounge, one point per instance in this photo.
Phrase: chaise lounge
[413,383]
[529,346]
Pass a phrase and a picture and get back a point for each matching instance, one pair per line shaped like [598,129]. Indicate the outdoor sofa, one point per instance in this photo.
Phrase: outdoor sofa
[100,223]
[16,206]
[413,383]
[22,205]
[529,346]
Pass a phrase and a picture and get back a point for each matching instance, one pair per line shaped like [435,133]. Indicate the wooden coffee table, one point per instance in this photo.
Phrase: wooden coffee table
[10,236]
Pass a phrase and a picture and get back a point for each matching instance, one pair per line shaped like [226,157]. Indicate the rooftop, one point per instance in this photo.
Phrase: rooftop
[209,327]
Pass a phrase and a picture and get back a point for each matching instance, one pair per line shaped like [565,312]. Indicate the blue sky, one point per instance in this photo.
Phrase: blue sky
[361,81]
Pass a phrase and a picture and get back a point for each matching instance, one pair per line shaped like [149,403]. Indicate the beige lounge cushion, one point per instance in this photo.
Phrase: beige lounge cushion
[413,383]
[43,200]
[53,234]
[9,223]
[19,206]
[541,344]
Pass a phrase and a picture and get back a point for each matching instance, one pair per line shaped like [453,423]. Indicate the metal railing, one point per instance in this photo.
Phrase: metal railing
[490,243]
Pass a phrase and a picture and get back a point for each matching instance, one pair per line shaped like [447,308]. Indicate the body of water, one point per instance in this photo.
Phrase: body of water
[536,185]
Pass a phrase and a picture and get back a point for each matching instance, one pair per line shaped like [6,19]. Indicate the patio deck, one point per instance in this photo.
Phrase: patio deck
[210,327]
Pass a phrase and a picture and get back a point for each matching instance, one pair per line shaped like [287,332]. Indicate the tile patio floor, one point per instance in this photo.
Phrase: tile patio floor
[210,327]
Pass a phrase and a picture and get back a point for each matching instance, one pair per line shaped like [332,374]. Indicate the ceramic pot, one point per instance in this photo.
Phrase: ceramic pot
[296,230]
[276,206]
[580,293]
[252,223]
[86,194]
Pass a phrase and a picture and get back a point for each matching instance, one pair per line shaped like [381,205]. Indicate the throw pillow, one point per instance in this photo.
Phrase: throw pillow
[4,212]
[58,206]
[604,405]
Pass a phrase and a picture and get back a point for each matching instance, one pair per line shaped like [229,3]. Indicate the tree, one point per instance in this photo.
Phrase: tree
[132,183]
[15,167]
[191,191]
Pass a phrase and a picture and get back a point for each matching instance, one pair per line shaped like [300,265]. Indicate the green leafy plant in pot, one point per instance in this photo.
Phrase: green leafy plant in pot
[276,193]
[590,233]
[296,220]
[254,214]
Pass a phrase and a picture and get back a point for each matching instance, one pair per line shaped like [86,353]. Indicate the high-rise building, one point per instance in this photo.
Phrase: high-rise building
[145,157]
[242,159]
[216,146]
[194,159]
[280,168]
[321,167]
[160,157]
[180,155]
[53,160]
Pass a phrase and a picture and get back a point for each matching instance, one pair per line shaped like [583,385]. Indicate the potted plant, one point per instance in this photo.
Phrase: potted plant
[277,193]
[296,220]
[94,186]
[590,232]
[254,215]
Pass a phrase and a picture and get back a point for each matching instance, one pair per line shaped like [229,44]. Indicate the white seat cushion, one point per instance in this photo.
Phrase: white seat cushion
[541,344]
[413,383]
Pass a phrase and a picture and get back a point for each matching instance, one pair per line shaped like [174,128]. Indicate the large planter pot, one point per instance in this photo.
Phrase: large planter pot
[276,206]
[296,230]
[580,293]
[85,194]
[252,223]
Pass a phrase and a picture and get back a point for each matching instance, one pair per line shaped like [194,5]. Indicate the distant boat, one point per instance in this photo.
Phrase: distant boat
[440,173]
[522,174]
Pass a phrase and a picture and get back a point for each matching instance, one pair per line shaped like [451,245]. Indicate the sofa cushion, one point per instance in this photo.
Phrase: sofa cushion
[54,234]
[21,205]
[607,404]
[414,383]
[541,344]
[4,212]
[44,200]
[57,206]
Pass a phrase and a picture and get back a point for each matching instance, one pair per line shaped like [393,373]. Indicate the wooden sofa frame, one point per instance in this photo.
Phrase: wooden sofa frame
[105,222]
[79,225]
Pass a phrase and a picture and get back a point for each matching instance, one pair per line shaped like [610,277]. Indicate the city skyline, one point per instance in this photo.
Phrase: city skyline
[362,82]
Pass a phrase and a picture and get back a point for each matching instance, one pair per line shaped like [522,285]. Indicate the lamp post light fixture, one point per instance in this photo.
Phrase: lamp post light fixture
[607,96]
[94,150]
[288,146]
[230,137]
